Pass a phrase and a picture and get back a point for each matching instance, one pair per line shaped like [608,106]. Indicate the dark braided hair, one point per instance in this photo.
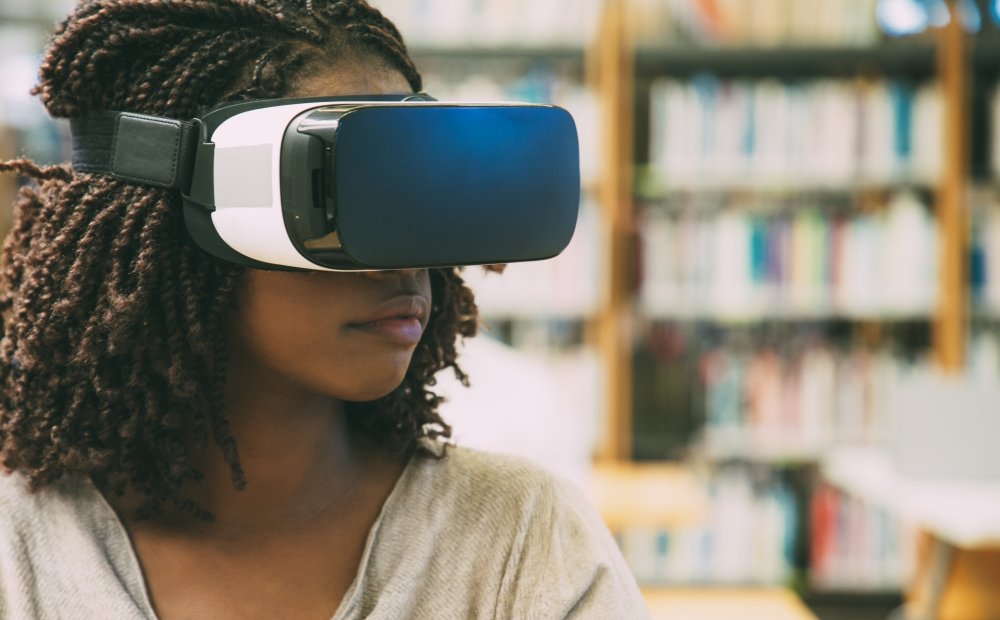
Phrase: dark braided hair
[113,352]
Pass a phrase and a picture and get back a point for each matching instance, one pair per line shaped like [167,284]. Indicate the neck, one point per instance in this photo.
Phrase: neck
[298,457]
[302,463]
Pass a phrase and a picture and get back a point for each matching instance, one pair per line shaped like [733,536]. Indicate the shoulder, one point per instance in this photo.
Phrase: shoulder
[61,548]
[496,488]
[13,488]
[30,520]
[534,533]
[536,508]
[68,515]
[489,473]
[19,507]
[31,524]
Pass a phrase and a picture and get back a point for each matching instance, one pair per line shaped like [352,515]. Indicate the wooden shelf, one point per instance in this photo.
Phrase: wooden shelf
[750,313]
[648,495]
[715,603]
[786,451]
[898,58]
[904,57]
[650,187]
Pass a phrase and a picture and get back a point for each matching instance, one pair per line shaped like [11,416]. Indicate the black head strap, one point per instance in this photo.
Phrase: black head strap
[135,147]
[158,151]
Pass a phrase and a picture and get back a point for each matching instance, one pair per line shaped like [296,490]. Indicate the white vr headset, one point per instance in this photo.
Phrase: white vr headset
[354,183]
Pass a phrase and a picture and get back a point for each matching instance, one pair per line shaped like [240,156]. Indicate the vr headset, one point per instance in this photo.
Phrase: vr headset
[354,183]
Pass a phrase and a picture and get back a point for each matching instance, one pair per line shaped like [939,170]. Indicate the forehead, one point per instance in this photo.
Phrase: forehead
[371,77]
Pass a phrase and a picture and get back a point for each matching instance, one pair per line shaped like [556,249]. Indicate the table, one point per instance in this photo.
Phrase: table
[959,561]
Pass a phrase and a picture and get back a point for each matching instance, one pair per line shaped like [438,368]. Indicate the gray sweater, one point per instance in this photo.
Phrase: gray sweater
[473,535]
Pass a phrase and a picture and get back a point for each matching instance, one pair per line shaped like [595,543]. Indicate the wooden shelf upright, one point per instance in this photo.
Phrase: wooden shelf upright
[954,73]
[613,76]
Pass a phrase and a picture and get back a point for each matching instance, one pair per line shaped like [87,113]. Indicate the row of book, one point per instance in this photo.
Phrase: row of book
[795,257]
[750,535]
[491,23]
[713,132]
[747,538]
[760,23]
[540,82]
[855,546]
[772,405]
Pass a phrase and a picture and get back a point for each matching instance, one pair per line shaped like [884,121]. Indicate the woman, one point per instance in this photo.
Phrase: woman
[187,439]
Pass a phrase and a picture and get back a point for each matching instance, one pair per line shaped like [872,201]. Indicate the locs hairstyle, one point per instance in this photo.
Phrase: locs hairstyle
[113,353]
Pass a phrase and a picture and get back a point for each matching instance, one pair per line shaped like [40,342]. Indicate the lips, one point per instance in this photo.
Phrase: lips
[400,320]
[402,307]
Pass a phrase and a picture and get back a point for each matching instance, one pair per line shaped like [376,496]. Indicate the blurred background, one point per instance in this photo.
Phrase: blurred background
[770,353]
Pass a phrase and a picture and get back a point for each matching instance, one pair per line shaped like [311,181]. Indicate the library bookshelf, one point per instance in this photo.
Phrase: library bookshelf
[626,69]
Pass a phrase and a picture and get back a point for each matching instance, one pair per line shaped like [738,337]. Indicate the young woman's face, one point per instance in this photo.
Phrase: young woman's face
[346,335]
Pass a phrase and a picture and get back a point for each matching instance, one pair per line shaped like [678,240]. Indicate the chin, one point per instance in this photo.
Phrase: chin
[364,379]
[373,388]
[374,393]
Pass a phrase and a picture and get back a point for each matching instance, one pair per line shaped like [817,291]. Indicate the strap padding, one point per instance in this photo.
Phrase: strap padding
[135,147]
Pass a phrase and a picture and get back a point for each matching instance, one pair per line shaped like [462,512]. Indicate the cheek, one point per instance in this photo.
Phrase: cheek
[314,350]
